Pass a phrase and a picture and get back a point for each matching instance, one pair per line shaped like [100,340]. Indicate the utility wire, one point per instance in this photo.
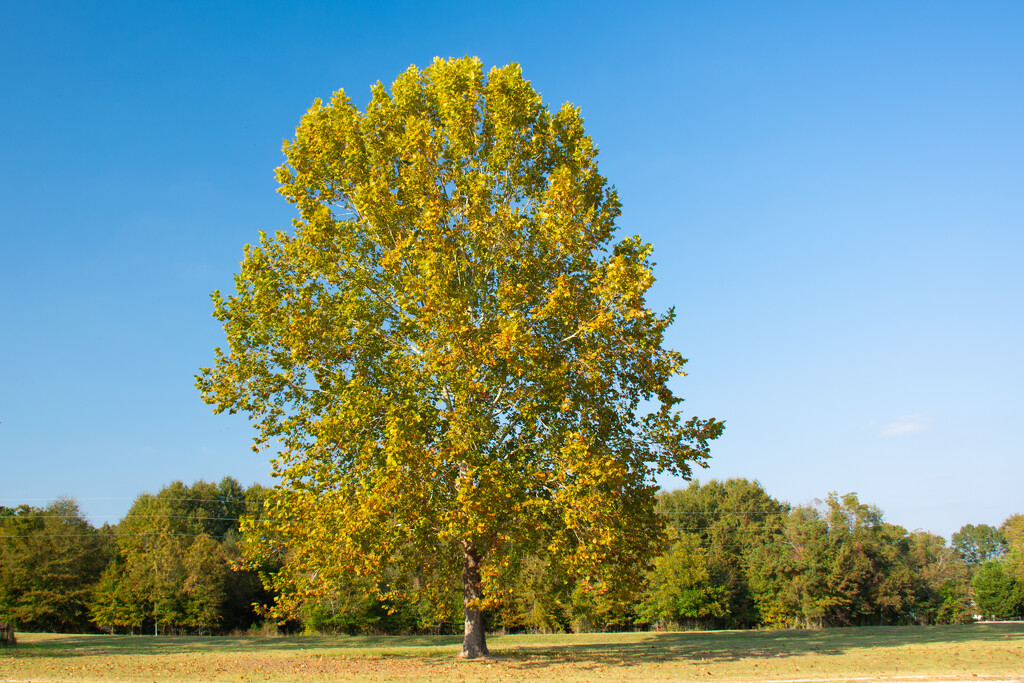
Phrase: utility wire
[111,535]
[217,519]
[149,496]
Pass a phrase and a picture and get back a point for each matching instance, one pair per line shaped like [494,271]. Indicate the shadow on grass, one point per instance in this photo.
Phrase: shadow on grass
[80,645]
[725,646]
[590,651]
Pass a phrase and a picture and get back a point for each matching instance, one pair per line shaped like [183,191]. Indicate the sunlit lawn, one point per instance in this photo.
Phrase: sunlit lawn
[976,652]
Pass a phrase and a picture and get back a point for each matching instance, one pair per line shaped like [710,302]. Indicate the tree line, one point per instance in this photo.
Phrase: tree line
[183,562]
[170,566]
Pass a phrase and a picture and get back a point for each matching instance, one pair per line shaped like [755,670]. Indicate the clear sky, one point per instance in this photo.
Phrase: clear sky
[834,192]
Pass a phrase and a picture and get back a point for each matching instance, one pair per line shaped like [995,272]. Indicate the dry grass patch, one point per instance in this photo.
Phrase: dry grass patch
[976,652]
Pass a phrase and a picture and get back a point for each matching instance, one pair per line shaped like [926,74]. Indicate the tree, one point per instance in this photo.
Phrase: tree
[49,557]
[455,358]
[788,577]
[114,602]
[681,589]
[172,569]
[836,565]
[1011,531]
[871,575]
[206,572]
[996,592]
[978,544]
[942,594]
[732,518]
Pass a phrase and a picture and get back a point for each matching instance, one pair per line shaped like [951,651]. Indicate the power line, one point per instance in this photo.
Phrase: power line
[112,535]
[150,496]
[127,517]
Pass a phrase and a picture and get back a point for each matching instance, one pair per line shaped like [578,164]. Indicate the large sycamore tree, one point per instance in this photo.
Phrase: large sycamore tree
[451,352]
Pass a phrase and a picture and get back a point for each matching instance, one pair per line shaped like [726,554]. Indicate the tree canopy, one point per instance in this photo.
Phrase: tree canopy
[172,568]
[978,544]
[451,347]
[49,557]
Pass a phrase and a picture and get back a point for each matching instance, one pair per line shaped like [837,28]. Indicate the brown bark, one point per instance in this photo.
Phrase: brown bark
[474,645]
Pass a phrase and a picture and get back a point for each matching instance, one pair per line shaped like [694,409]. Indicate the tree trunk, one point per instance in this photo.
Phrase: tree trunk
[474,644]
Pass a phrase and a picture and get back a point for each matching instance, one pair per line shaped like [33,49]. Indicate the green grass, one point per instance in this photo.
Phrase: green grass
[976,652]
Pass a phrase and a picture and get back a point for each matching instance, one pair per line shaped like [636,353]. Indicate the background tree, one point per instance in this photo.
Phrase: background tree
[876,553]
[1012,533]
[978,544]
[836,565]
[49,558]
[996,591]
[787,577]
[451,350]
[243,586]
[207,570]
[942,582]
[731,518]
[538,600]
[175,551]
[115,604]
[681,591]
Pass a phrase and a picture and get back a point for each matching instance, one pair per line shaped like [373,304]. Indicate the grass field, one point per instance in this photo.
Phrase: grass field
[976,652]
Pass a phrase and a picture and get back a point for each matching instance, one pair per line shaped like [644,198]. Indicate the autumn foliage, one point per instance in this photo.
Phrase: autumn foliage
[452,348]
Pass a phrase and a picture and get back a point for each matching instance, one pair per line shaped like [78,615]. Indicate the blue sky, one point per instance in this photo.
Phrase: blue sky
[834,192]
